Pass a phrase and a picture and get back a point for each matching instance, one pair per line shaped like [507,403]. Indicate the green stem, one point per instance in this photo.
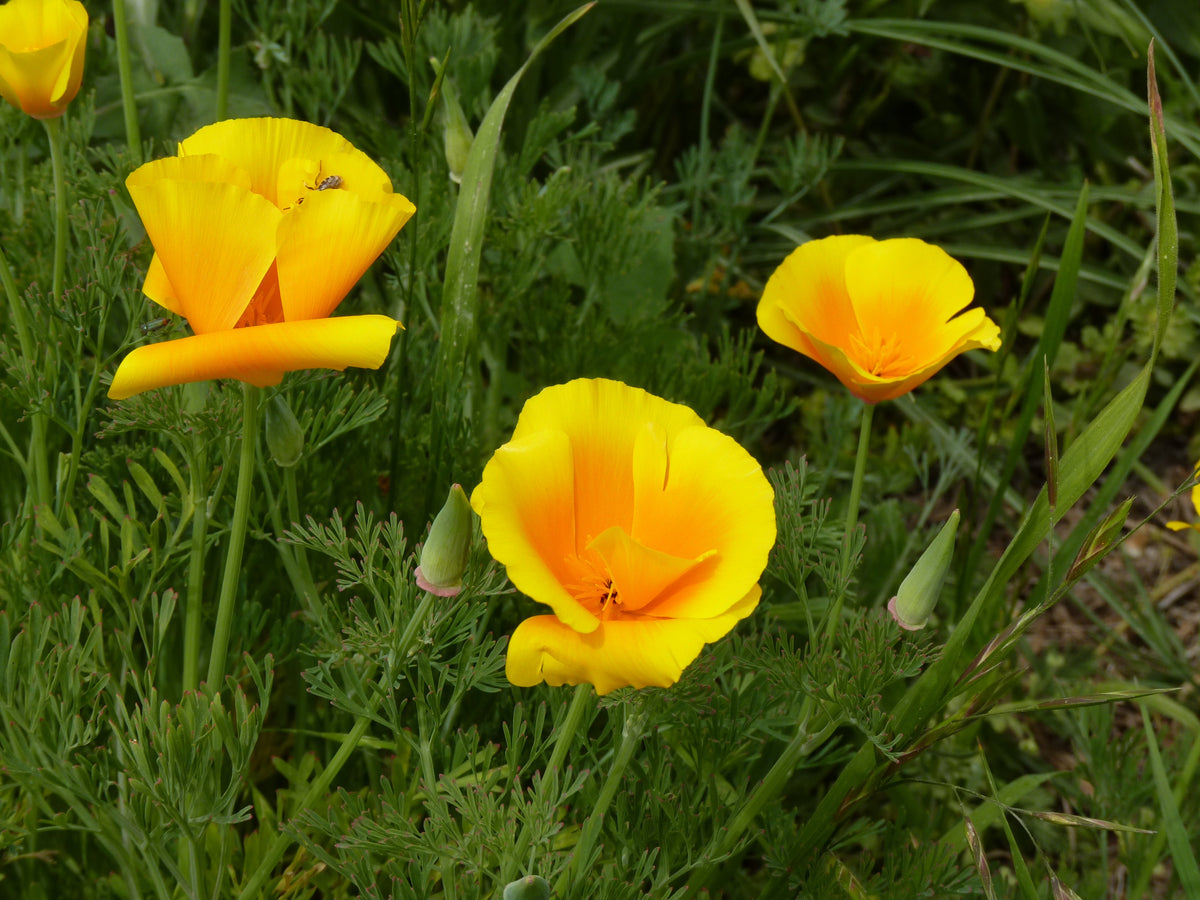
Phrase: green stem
[309,591]
[55,133]
[37,490]
[565,733]
[320,786]
[768,789]
[860,466]
[133,136]
[237,536]
[631,736]
[194,614]
[224,37]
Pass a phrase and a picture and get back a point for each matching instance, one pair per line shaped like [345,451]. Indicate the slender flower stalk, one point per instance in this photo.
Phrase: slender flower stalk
[565,733]
[320,785]
[133,134]
[38,487]
[237,536]
[856,481]
[224,37]
[54,133]
[631,737]
[193,614]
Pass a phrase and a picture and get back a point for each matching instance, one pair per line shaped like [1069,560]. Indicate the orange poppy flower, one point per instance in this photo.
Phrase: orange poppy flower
[882,316]
[42,43]
[644,530]
[260,227]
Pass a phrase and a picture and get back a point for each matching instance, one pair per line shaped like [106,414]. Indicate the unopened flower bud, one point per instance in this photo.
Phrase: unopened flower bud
[456,133]
[285,437]
[448,547]
[531,887]
[914,602]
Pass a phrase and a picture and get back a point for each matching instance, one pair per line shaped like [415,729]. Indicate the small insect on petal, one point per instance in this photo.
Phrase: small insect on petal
[154,325]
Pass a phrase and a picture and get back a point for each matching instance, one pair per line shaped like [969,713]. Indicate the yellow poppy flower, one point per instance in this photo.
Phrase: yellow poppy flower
[41,54]
[644,530]
[260,227]
[1180,526]
[882,316]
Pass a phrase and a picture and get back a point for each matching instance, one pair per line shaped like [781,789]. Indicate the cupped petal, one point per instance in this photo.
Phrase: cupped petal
[871,388]
[904,292]
[806,296]
[526,506]
[264,146]
[215,242]
[639,573]
[257,355]
[157,286]
[28,80]
[327,243]
[42,48]
[641,651]
[603,420]
[716,507]
[300,177]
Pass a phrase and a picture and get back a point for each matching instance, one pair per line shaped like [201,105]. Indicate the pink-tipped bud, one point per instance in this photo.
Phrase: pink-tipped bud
[448,547]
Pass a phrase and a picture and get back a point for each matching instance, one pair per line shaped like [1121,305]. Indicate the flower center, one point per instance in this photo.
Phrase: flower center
[880,354]
[593,587]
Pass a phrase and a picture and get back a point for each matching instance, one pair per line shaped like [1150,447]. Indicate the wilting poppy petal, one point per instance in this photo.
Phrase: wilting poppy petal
[257,355]
[642,652]
[643,529]
[882,316]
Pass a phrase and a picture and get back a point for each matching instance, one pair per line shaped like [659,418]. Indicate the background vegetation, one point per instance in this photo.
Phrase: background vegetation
[657,161]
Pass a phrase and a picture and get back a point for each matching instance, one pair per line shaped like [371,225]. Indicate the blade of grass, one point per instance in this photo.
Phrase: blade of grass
[1182,854]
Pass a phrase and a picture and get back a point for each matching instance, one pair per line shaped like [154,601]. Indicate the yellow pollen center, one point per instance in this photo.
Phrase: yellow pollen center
[880,355]
[595,590]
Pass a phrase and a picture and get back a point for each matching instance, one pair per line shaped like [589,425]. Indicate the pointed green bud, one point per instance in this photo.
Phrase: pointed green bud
[456,132]
[448,547]
[285,437]
[914,602]
[531,887]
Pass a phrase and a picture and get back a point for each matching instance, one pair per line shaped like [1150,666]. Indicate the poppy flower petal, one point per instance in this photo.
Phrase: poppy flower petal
[265,146]
[633,652]
[603,420]
[215,243]
[157,286]
[42,47]
[807,294]
[639,573]
[525,503]
[904,292]
[727,521]
[328,242]
[258,355]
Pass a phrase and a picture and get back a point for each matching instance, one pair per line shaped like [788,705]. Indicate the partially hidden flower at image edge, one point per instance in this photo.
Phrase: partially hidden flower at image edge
[644,531]
[1182,526]
[42,44]
[260,227]
[881,316]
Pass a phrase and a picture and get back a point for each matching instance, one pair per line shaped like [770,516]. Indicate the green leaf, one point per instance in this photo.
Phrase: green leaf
[1182,854]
